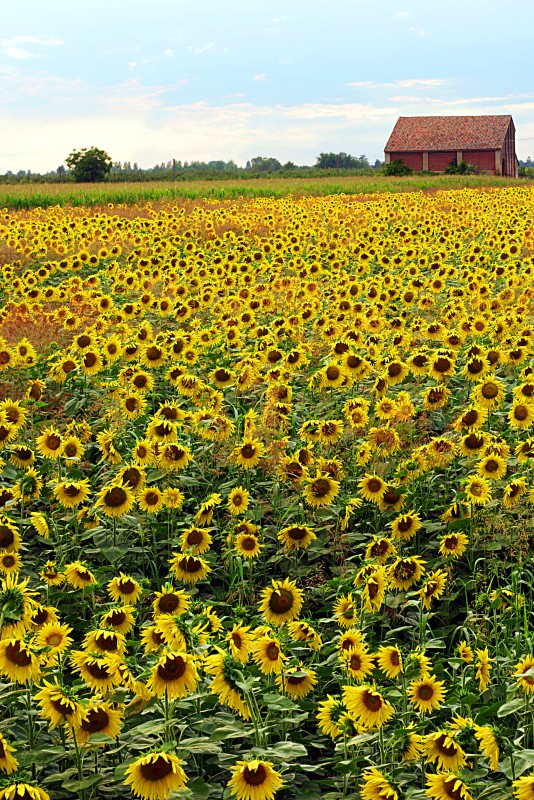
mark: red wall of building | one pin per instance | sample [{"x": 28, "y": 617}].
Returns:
[
  {"x": 412, "y": 160},
  {"x": 483, "y": 159},
  {"x": 439, "y": 161}
]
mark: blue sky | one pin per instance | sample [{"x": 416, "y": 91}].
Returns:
[{"x": 207, "y": 79}]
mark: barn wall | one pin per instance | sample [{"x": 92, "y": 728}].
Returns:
[
  {"x": 439, "y": 161},
  {"x": 412, "y": 160},
  {"x": 509, "y": 165},
  {"x": 483, "y": 159}
]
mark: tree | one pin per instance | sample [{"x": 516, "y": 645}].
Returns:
[
  {"x": 263, "y": 164},
  {"x": 341, "y": 161},
  {"x": 89, "y": 165}
]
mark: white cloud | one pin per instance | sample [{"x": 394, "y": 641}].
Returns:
[
  {"x": 18, "y": 53},
  {"x": 278, "y": 20},
  {"x": 197, "y": 51},
  {"x": 402, "y": 84},
  {"x": 169, "y": 52},
  {"x": 132, "y": 64},
  {"x": 261, "y": 76},
  {"x": 419, "y": 31},
  {"x": 402, "y": 14}
]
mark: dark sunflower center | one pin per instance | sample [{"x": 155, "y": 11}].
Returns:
[
  {"x": 373, "y": 702},
  {"x": 442, "y": 364},
  {"x": 89, "y": 360},
  {"x": 151, "y": 498},
  {"x": 255, "y": 777},
  {"x": 98, "y": 671},
  {"x": 195, "y": 537},
  {"x": 68, "y": 366},
  {"x": 470, "y": 418},
  {"x": 158, "y": 769},
  {"x": 114, "y": 498},
  {"x": 355, "y": 661},
  {"x": 475, "y": 366},
  {"x": 40, "y": 616},
  {"x": 190, "y": 564},
  {"x": 62, "y": 706},
  {"x": 394, "y": 370},
  {"x": 320, "y": 487},
  {"x": 333, "y": 373},
  {"x": 489, "y": 391},
  {"x": 153, "y": 353},
  {"x": 237, "y": 640},
  {"x": 24, "y": 454},
  {"x": 222, "y": 375},
  {"x": 95, "y": 720},
  {"x": 53, "y": 442},
  {"x": 107, "y": 643},
  {"x": 451, "y": 542},
  {"x": 521, "y": 413},
  {"x": 17, "y": 654},
  {"x": 248, "y": 451},
  {"x": 297, "y": 534},
  {"x": 132, "y": 404},
  {"x": 425, "y": 692},
  {"x": 281, "y": 601},
  {"x": 169, "y": 603},
  {"x": 491, "y": 465},
  {"x": 71, "y": 450},
  {"x": 374, "y": 485},
  {"x": 404, "y": 525},
  {"x": 452, "y": 793},
  {"x": 72, "y": 491},
  {"x": 248, "y": 543},
  {"x": 8, "y": 561},
  {"x": 116, "y": 617},
  {"x": 172, "y": 669},
  {"x": 126, "y": 586},
  {"x": 140, "y": 381},
  {"x": 272, "y": 651},
  {"x": 7, "y": 537}
]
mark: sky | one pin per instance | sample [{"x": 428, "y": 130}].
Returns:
[{"x": 152, "y": 80}]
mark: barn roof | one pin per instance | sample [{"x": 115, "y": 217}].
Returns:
[{"x": 449, "y": 133}]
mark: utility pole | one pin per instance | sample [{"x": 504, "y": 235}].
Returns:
[{"x": 174, "y": 169}]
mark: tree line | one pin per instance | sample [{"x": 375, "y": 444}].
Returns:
[{"x": 93, "y": 164}]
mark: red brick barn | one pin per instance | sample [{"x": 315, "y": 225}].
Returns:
[{"x": 432, "y": 143}]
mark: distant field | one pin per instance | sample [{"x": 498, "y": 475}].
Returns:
[{"x": 21, "y": 196}]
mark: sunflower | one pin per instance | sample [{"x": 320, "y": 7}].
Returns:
[
  {"x": 465, "y": 652},
  {"x": 436, "y": 397},
  {"x": 331, "y": 712},
  {"x": 150, "y": 500},
  {"x": 98, "y": 671},
  {"x": 447, "y": 786},
  {"x": 380, "y": 549},
  {"x": 321, "y": 490},
  {"x": 238, "y": 501},
  {"x": 433, "y": 587},
  {"x": 297, "y": 681},
  {"x": 521, "y": 415},
  {"x": 359, "y": 661},
  {"x": 204, "y": 515},
  {"x": 115, "y": 499},
  {"x": 78, "y": 575},
  {"x": 411, "y": 744},
  {"x": 513, "y": 492},
  {"x": 453, "y": 545},
  {"x": 104, "y": 642},
  {"x": 377, "y": 786},
  {"x": 471, "y": 419},
  {"x": 174, "y": 675},
  {"x": 22, "y": 456},
  {"x": 524, "y": 680},
  {"x": 196, "y": 540},
  {"x": 254, "y": 780},
  {"x": 240, "y": 642},
  {"x": 55, "y": 636},
  {"x": 174, "y": 457},
  {"x": 143, "y": 452},
  {"x": 50, "y": 444},
  {"x": 372, "y": 487},
  {"x": 8, "y": 763},
  {"x": 367, "y": 705},
  {"x": 477, "y": 490},
  {"x": 296, "y": 537},
  {"x": 442, "y": 748},
  {"x": 374, "y": 588},
  {"x": 226, "y": 671},
  {"x": 170, "y": 601},
  {"x": 71, "y": 494},
  {"x": 426, "y": 693},
  {"x": 441, "y": 365},
  {"x": 492, "y": 467},
  {"x": 389, "y": 660},
  {"x": 248, "y": 453},
  {"x": 489, "y": 393},
  {"x": 10, "y": 539},
  {"x": 99, "y": 717},
  {"x": 282, "y": 602},
  {"x": 72, "y": 448},
  {"x": 156, "y": 775},
  {"x": 247, "y": 545},
  {"x": 345, "y": 611},
  {"x": 489, "y": 747},
  {"x": 132, "y": 405},
  {"x": 24, "y": 791},
  {"x": 18, "y": 661},
  {"x": 189, "y": 569},
  {"x": 405, "y": 572},
  {"x": 120, "y": 619},
  {"x": 303, "y": 631},
  {"x": 267, "y": 654}
]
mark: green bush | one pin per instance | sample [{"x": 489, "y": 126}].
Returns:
[
  {"x": 396, "y": 168},
  {"x": 463, "y": 168}
]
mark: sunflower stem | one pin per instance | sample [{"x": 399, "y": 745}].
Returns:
[
  {"x": 79, "y": 765},
  {"x": 31, "y": 728}
]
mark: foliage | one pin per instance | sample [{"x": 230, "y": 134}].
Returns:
[
  {"x": 341, "y": 161},
  {"x": 462, "y": 168},
  {"x": 89, "y": 165},
  {"x": 397, "y": 168}
]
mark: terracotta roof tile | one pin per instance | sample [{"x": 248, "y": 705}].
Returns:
[{"x": 449, "y": 133}]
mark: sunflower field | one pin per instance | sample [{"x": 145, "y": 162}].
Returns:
[{"x": 266, "y": 498}]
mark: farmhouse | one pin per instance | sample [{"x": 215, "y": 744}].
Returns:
[{"x": 432, "y": 143}]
